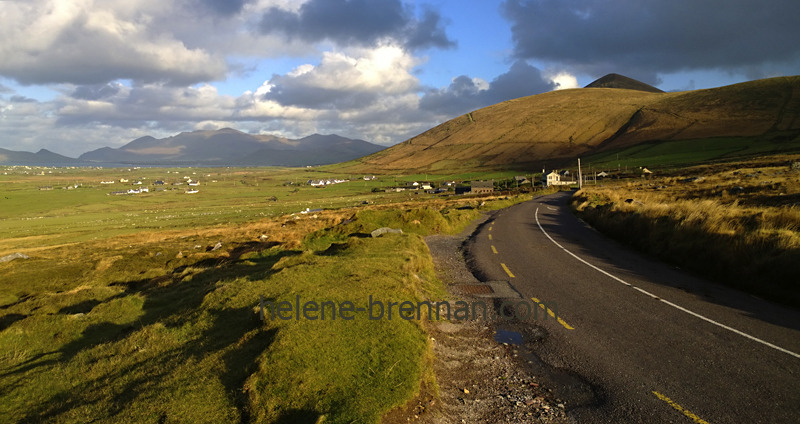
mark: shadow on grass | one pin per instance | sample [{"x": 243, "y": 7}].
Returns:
[
  {"x": 235, "y": 334},
  {"x": 298, "y": 416},
  {"x": 7, "y": 320},
  {"x": 80, "y": 308}
]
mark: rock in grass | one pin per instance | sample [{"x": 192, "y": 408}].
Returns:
[
  {"x": 11, "y": 257},
  {"x": 383, "y": 230}
]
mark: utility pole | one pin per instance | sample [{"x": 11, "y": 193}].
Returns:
[{"x": 580, "y": 176}]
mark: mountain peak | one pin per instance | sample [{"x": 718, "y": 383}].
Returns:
[{"x": 623, "y": 82}]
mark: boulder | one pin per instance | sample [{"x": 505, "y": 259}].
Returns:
[
  {"x": 383, "y": 230},
  {"x": 11, "y": 257}
]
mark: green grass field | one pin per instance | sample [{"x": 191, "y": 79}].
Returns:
[
  {"x": 688, "y": 152},
  {"x": 125, "y": 313},
  {"x": 225, "y": 196}
]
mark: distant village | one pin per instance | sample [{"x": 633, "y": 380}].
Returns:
[
  {"x": 554, "y": 178},
  {"x": 190, "y": 184}
]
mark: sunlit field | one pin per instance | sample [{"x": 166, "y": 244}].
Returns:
[{"x": 145, "y": 307}]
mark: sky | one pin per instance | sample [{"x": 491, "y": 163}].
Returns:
[{"x": 77, "y": 75}]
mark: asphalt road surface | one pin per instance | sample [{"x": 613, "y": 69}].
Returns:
[{"x": 637, "y": 340}]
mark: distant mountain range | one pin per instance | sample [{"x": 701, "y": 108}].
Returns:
[
  {"x": 42, "y": 157},
  {"x": 224, "y": 147}
]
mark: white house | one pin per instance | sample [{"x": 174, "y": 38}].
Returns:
[{"x": 554, "y": 179}]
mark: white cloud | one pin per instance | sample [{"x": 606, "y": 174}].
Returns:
[
  {"x": 97, "y": 41},
  {"x": 345, "y": 80},
  {"x": 480, "y": 84},
  {"x": 386, "y": 68},
  {"x": 563, "y": 80}
]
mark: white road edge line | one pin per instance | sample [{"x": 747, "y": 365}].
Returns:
[{"x": 681, "y": 308}]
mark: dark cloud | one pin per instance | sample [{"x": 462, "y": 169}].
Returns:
[
  {"x": 294, "y": 91},
  {"x": 641, "y": 38},
  {"x": 96, "y": 91},
  {"x": 225, "y": 7},
  {"x": 21, "y": 99},
  {"x": 428, "y": 32},
  {"x": 464, "y": 95},
  {"x": 361, "y": 22}
]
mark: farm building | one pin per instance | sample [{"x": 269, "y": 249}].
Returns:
[
  {"x": 480, "y": 187},
  {"x": 554, "y": 179}
]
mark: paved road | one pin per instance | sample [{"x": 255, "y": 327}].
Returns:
[{"x": 640, "y": 341}]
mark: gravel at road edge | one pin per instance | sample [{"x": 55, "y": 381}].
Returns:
[{"x": 479, "y": 379}]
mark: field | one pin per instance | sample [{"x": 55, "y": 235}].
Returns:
[
  {"x": 737, "y": 223},
  {"x": 679, "y": 153},
  {"x": 31, "y": 217},
  {"x": 147, "y": 307}
]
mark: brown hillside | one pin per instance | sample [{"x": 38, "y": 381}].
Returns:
[{"x": 567, "y": 123}]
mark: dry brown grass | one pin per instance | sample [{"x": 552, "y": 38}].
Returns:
[{"x": 737, "y": 224}]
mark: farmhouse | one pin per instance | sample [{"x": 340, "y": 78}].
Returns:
[
  {"x": 481, "y": 187},
  {"x": 323, "y": 183},
  {"x": 554, "y": 179}
]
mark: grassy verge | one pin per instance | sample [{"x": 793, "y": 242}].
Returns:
[
  {"x": 157, "y": 326},
  {"x": 736, "y": 224}
]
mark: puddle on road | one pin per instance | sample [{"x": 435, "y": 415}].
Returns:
[{"x": 507, "y": 336}]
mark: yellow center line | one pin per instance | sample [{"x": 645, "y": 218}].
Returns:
[
  {"x": 490, "y": 228},
  {"x": 490, "y": 236},
  {"x": 508, "y": 271},
  {"x": 552, "y": 314},
  {"x": 494, "y": 249},
  {"x": 680, "y": 409}
]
